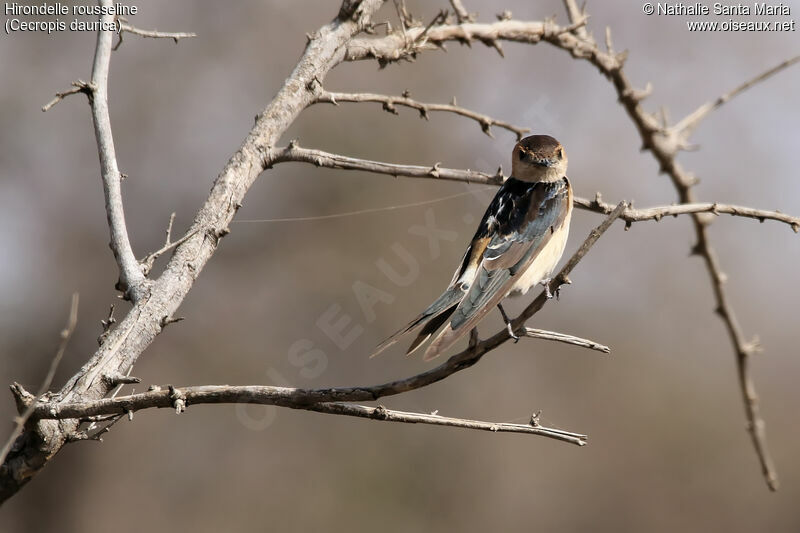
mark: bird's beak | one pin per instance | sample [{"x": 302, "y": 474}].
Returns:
[{"x": 543, "y": 162}]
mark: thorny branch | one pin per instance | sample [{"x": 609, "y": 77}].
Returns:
[
  {"x": 389, "y": 104},
  {"x": 318, "y": 399},
  {"x": 125, "y": 26},
  {"x": 26, "y": 403},
  {"x": 131, "y": 278},
  {"x": 662, "y": 141},
  {"x": 330, "y": 45},
  {"x": 295, "y": 153}
]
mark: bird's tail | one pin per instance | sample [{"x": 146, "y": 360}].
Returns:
[{"x": 432, "y": 319}]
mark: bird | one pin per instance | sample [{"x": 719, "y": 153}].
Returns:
[{"x": 517, "y": 245}]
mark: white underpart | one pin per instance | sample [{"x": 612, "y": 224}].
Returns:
[{"x": 545, "y": 262}]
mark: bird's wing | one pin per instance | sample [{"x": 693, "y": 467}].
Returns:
[
  {"x": 523, "y": 223},
  {"x": 439, "y": 311}
]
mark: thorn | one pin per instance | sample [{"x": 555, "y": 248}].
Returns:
[
  {"x": 406, "y": 93},
  {"x": 178, "y": 399},
  {"x": 628, "y": 224},
  {"x": 697, "y": 249},
  {"x": 486, "y": 127},
  {"x": 505, "y": 15},
  {"x": 389, "y": 106},
  {"x": 497, "y": 46},
  {"x": 294, "y": 143},
  {"x": 167, "y": 320},
  {"x": 535, "y": 418},
  {"x": 434, "y": 171},
  {"x": 453, "y": 101},
  {"x": 114, "y": 379}
]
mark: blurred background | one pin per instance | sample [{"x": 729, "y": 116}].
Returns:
[{"x": 668, "y": 447}]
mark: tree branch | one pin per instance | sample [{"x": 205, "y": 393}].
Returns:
[
  {"x": 281, "y": 397},
  {"x": 566, "y": 339},
  {"x": 663, "y": 142},
  {"x": 26, "y": 403},
  {"x": 124, "y": 26},
  {"x": 689, "y": 123},
  {"x": 389, "y": 102},
  {"x": 131, "y": 277},
  {"x": 312, "y": 399},
  {"x": 123, "y": 345},
  {"x": 295, "y": 153}
]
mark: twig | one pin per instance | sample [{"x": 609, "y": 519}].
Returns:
[
  {"x": 312, "y": 399},
  {"x": 577, "y": 15},
  {"x": 147, "y": 262},
  {"x": 137, "y": 330},
  {"x": 688, "y": 124},
  {"x": 296, "y": 153},
  {"x": 79, "y": 86},
  {"x": 461, "y": 12},
  {"x": 658, "y": 138},
  {"x": 124, "y": 26},
  {"x": 282, "y": 397},
  {"x": 665, "y": 148},
  {"x": 131, "y": 277},
  {"x": 389, "y": 102},
  {"x": 66, "y": 334},
  {"x": 567, "y": 339},
  {"x": 657, "y": 213}
]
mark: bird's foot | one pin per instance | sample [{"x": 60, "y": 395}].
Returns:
[
  {"x": 546, "y": 284},
  {"x": 511, "y": 333},
  {"x": 508, "y": 324}
]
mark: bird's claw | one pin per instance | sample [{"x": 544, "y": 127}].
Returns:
[
  {"x": 511, "y": 333},
  {"x": 546, "y": 284}
]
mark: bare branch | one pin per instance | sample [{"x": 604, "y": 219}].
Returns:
[
  {"x": 687, "y": 125},
  {"x": 20, "y": 393},
  {"x": 656, "y": 137},
  {"x": 282, "y": 397},
  {"x": 577, "y": 15},
  {"x": 124, "y": 26},
  {"x": 143, "y": 323},
  {"x": 461, "y": 12},
  {"x": 149, "y": 259},
  {"x": 296, "y": 153},
  {"x": 566, "y": 339},
  {"x": 389, "y": 102},
  {"x": 657, "y": 213},
  {"x": 79, "y": 86},
  {"x": 293, "y": 152},
  {"x": 131, "y": 277},
  {"x": 317, "y": 399},
  {"x": 664, "y": 147}
]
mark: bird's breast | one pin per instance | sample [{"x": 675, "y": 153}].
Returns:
[{"x": 545, "y": 262}]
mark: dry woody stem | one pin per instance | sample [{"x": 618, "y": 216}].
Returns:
[{"x": 56, "y": 418}]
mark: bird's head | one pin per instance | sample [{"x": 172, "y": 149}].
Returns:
[{"x": 538, "y": 158}]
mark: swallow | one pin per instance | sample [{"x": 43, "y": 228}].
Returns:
[{"x": 517, "y": 245}]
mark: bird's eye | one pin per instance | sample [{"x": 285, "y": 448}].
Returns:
[
  {"x": 561, "y": 153},
  {"x": 521, "y": 155}
]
